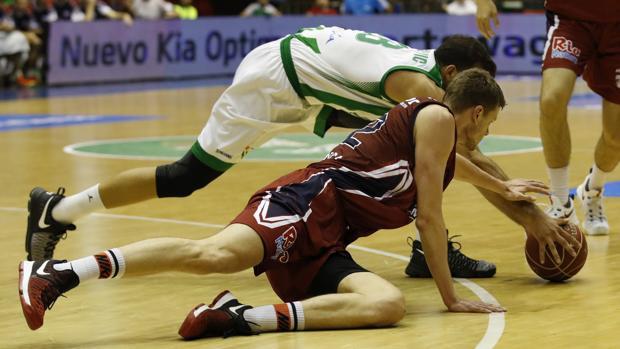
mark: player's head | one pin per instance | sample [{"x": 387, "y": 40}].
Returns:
[
  {"x": 459, "y": 52},
  {"x": 475, "y": 98}
]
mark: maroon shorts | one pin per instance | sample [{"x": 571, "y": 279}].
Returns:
[
  {"x": 588, "y": 48},
  {"x": 301, "y": 223}
]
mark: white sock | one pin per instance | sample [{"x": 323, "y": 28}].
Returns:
[
  {"x": 104, "y": 265},
  {"x": 277, "y": 317},
  {"x": 69, "y": 209},
  {"x": 597, "y": 178},
  {"x": 559, "y": 183}
]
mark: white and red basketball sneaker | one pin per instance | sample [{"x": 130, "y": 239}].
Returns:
[
  {"x": 223, "y": 317},
  {"x": 39, "y": 287}
]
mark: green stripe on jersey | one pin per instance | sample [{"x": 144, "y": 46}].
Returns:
[
  {"x": 320, "y": 123},
  {"x": 287, "y": 63},
  {"x": 349, "y": 104},
  {"x": 310, "y": 42},
  {"x": 209, "y": 159}
]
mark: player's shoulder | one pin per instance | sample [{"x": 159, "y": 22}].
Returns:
[{"x": 433, "y": 115}]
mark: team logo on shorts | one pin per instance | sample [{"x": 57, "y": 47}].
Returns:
[
  {"x": 563, "y": 48},
  {"x": 618, "y": 78},
  {"x": 283, "y": 243}
]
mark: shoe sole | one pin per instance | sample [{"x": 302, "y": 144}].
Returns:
[
  {"x": 29, "y": 230},
  {"x": 25, "y": 271},
  {"x": 191, "y": 328},
  {"x": 593, "y": 232}
]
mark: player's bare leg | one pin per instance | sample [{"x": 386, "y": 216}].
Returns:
[
  {"x": 129, "y": 187},
  {"x": 363, "y": 300},
  {"x": 236, "y": 248},
  {"x": 556, "y": 90},
  {"x": 606, "y": 157}
]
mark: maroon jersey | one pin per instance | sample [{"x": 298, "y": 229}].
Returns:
[
  {"x": 365, "y": 184},
  {"x": 602, "y": 11},
  {"x": 373, "y": 170}
]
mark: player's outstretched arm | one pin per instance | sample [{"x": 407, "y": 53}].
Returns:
[
  {"x": 527, "y": 214},
  {"x": 511, "y": 190},
  {"x": 434, "y": 135}
]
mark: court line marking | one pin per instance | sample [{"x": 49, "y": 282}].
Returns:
[
  {"x": 495, "y": 326},
  {"x": 71, "y": 149}
]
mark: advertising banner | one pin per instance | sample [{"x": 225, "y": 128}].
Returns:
[{"x": 214, "y": 46}]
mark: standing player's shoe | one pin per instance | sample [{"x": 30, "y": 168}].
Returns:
[
  {"x": 558, "y": 209},
  {"x": 223, "y": 317},
  {"x": 595, "y": 221},
  {"x": 43, "y": 232},
  {"x": 460, "y": 265},
  {"x": 39, "y": 287}
]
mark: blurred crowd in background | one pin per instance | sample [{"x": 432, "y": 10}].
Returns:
[{"x": 24, "y": 23}]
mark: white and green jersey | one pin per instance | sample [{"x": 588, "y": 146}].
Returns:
[{"x": 346, "y": 69}]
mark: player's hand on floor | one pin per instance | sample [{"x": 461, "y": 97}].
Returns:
[
  {"x": 467, "y": 306},
  {"x": 517, "y": 189}
]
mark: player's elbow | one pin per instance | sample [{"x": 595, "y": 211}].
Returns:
[{"x": 426, "y": 222}]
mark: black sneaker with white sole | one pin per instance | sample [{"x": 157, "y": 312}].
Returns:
[
  {"x": 43, "y": 232},
  {"x": 460, "y": 265}
]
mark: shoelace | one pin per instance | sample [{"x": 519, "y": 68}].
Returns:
[
  {"x": 595, "y": 210},
  {"x": 456, "y": 257},
  {"x": 410, "y": 241},
  {"x": 51, "y": 244}
]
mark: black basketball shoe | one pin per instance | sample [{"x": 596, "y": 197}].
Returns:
[
  {"x": 460, "y": 265},
  {"x": 43, "y": 232},
  {"x": 39, "y": 287}
]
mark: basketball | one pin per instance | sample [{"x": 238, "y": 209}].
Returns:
[{"x": 569, "y": 265}]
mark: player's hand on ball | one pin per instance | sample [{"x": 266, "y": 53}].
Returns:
[
  {"x": 548, "y": 231},
  {"x": 517, "y": 189},
  {"x": 467, "y": 306}
]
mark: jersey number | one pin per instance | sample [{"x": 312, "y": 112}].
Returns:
[
  {"x": 372, "y": 127},
  {"x": 377, "y": 39}
]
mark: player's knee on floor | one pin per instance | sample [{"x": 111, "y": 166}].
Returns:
[
  {"x": 387, "y": 309},
  {"x": 183, "y": 177}
]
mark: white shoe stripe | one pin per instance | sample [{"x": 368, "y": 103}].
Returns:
[
  {"x": 26, "y": 272},
  {"x": 200, "y": 310}
]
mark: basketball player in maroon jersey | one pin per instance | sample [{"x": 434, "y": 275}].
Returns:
[
  {"x": 297, "y": 228},
  {"x": 583, "y": 38}
]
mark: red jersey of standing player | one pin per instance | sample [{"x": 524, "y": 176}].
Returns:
[
  {"x": 602, "y": 11},
  {"x": 366, "y": 183}
]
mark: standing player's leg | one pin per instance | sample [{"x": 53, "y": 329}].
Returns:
[
  {"x": 237, "y": 247},
  {"x": 602, "y": 74},
  {"x": 569, "y": 46},
  {"x": 556, "y": 90},
  {"x": 606, "y": 158}
]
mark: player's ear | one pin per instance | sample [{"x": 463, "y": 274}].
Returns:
[
  {"x": 449, "y": 71},
  {"x": 478, "y": 113}
]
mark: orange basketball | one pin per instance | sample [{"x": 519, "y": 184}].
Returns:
[{"x": 550, "y": 270}]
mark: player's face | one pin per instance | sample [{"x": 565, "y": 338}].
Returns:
[{"x": 481, "y": 122}]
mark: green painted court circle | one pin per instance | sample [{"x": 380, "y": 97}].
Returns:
[{"x": 284, "y": 147}]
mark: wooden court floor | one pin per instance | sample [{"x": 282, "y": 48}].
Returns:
[{"x": 146, "y": 312}]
